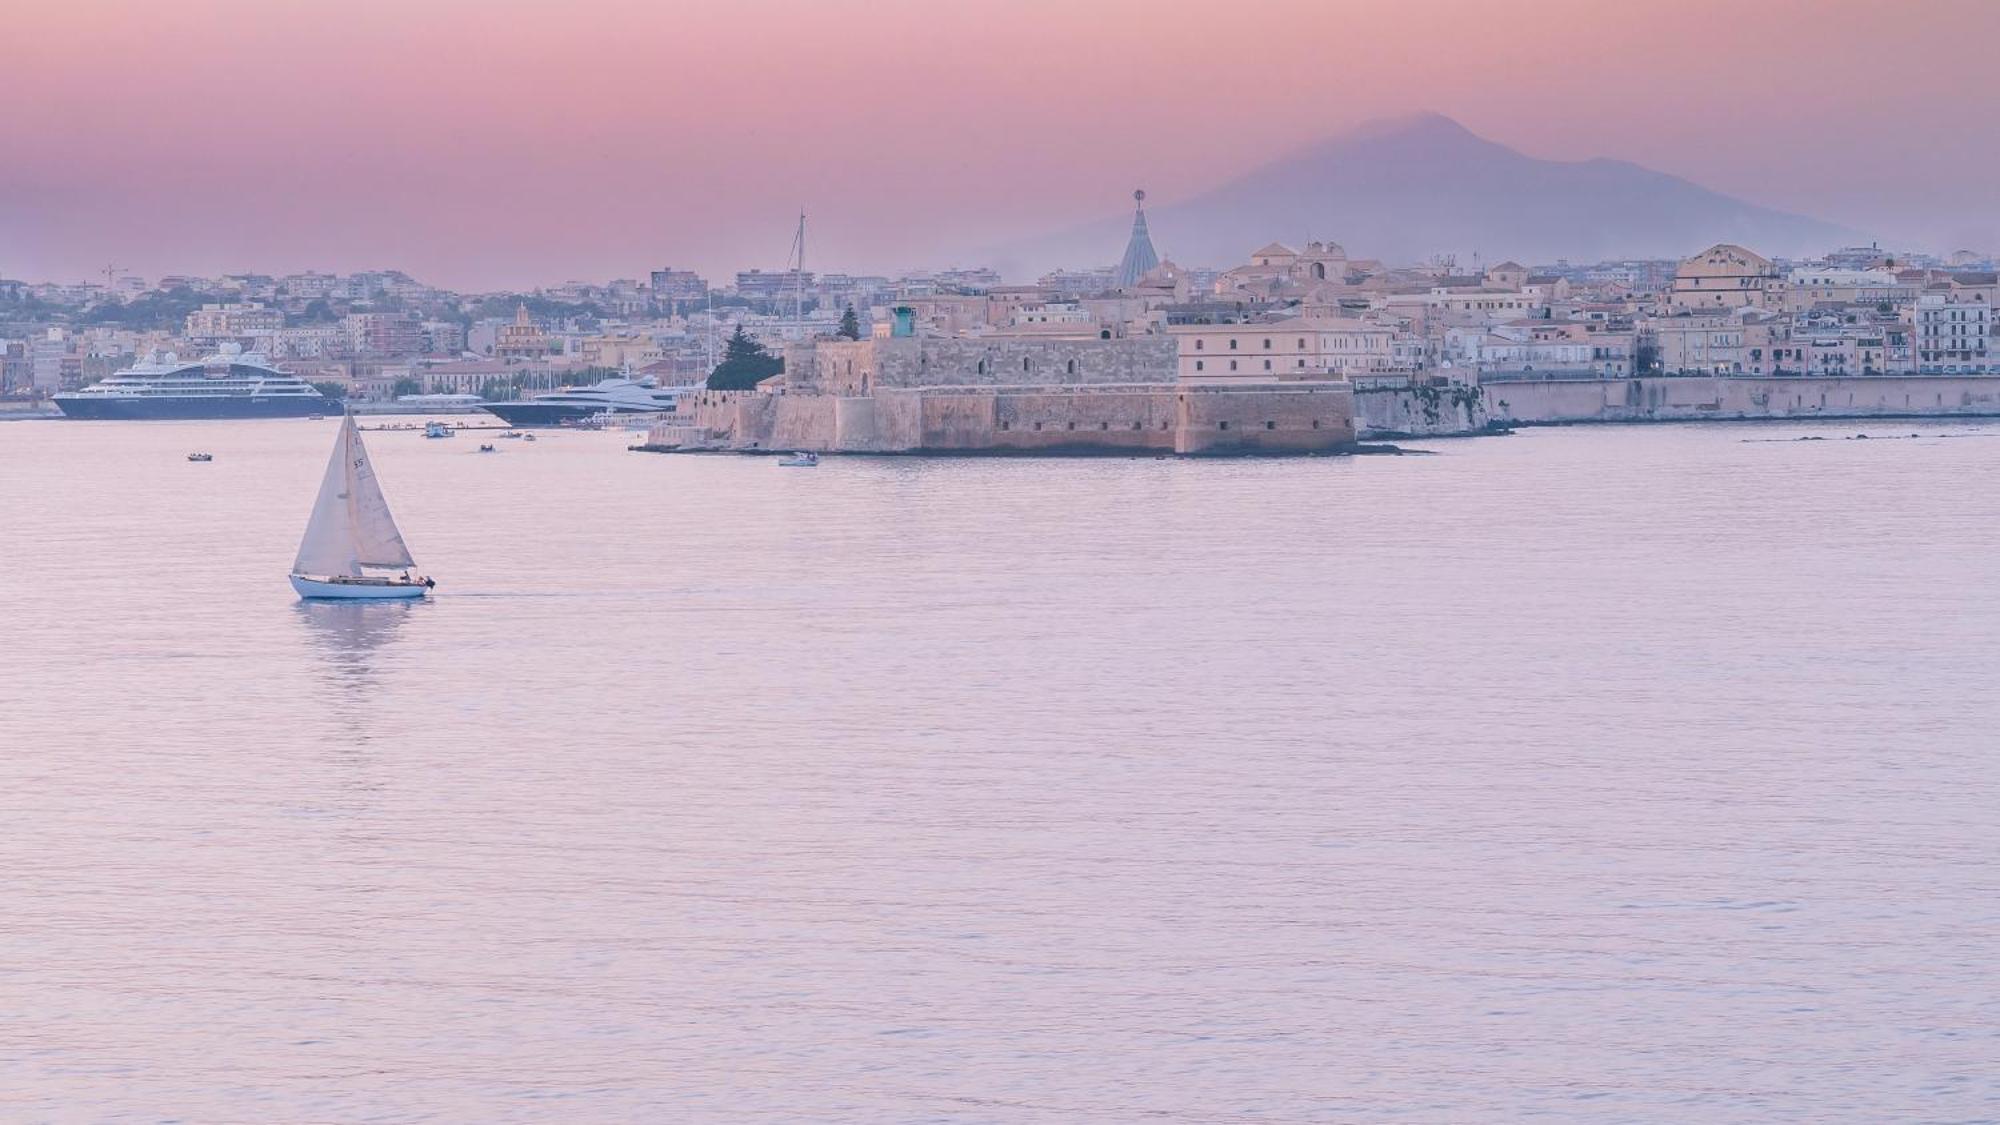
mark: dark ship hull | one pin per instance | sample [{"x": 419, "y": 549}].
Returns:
[{"x": 193, "y": 408}]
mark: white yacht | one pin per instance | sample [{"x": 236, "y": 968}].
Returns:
[
  {"x": 232, "y": 383},
  {"x": 572, "y": 405}
]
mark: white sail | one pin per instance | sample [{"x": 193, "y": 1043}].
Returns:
[
  {"x": 328, "y": 546},
  {"x": 350, "y": 526},
  {"x": 376, "y": 540}
]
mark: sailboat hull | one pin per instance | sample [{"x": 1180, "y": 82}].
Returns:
[{"x": 371, "y": 589}]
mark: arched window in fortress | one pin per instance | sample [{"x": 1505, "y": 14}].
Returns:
[
  {"x": 981, "y": 368},
  {"x": 1024, "y": 363},
  {"x": 1072, "y": 367}
]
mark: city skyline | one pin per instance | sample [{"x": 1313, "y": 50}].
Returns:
[{"x": 488, "y": 153}]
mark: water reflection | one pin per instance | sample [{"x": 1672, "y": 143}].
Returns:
[
  {"x": 346, "y": 638},
  {"x": 345, "y": 642}
]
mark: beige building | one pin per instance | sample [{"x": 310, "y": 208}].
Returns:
[
  {"x": 232, "y": 321},
  {"x": 1724, "y": 276},
  {"x": 1805, "y": 288},
  {"x": 1298, "y": 348},
  {"x": 523, "y": 339},
  {"x": 1276, "y": 269},
  {"x": 1726, "y": 343}
]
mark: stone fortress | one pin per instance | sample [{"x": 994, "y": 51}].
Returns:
[{"x": 1071, "y": 388}]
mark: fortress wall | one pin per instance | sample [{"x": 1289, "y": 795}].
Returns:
[
  {"x": 1002, "y": 361},
  {"x": 1136, "y": 418},
  {"x": 1275, "y": 418}
]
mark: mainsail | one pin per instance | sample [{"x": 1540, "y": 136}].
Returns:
[{"x": 350, "y": 526}]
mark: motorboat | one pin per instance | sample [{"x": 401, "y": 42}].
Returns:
[
  {"x": 487, "y": 447},
  {"x": 201, "y": 457},
  {"x": 581, "y": 406},
  {"x": 799, "y": 460},
  {"x": 437, "y": 429}
]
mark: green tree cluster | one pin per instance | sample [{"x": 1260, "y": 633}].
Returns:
[{"x": 745, "y": 363}]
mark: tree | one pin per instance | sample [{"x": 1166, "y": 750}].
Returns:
[
  {"x": 407, "y": 386},
  {"x": 335, "y": 391},
  {"x": 317, "y": 311},
  {"x": 497, "y": 390},
  {"x": 850, "y": 325},
  {"x": 744, "y": 364}
]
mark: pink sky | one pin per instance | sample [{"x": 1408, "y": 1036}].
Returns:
[{"x": 496, "y": 142}]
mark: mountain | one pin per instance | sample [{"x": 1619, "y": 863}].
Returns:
[{"x": 1403, "y": 190}]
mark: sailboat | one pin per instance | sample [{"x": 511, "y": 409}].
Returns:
[{"x": 351, "y": 533}]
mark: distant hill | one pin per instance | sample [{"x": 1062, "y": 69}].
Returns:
[{"x": 1403, "y": 190}]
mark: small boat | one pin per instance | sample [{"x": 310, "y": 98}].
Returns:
[
  {"x": 315, "y": 417},
  {"x": 799, "y": 460},
  {"x": 437, "y": 429},
  {"x": 351, "y": 533},
  {"x": 512, "y": 434},
  {"x": 201, "y": 456},
  {"x": 487, "y": 447},
  {"x": 527, "y": 437}
]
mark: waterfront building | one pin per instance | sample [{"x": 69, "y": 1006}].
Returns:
[
  {"x": 1952, "y": 333},
  {"x": 1546, "y": 348},
  {"x": 1739, "y": 341},
  {"x": 1293, "y": 348}
]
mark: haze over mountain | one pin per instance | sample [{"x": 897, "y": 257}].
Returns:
[{"x": 1408, "y": 188}]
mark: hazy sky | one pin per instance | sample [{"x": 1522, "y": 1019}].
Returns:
[{"x": 502, "y": 142}]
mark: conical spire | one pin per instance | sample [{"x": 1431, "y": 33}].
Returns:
[{"x": 1139, "y": 257}]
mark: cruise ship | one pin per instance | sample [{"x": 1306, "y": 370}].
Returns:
[
  {"x": 229, "y": 384},
  {"x": 578, "y": 404}
]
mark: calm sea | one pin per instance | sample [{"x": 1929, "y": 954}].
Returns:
[{"x": 1607, "y": 774}]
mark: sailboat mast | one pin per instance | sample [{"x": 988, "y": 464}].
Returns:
[{"x": 799, "y": 277}]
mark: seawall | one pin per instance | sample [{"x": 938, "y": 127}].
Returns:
[{"x": 1670, "y": 398}]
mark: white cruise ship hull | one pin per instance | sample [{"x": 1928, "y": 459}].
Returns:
[{"x": 373, "y": 589}]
